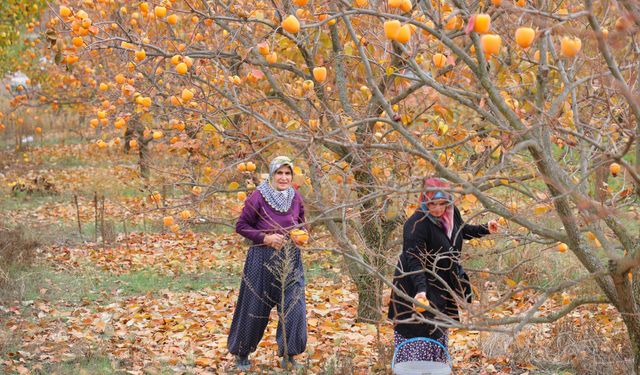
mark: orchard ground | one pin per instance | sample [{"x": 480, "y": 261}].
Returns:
[{"x": 148, "y": 300}]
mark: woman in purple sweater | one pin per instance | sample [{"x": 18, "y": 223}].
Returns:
[{"x": 268, "y": 215}]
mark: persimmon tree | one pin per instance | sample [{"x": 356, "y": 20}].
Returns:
[
  {"x": 50, "y": 90},
  {"x": 18, "y": 19},
  {"x": 529, "y": 108}
]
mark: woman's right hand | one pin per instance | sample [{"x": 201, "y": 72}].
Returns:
[
  {"x": 274, "y": 240},
  {"x": 422, "y": 298}
]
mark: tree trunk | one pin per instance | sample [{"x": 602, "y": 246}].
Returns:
[
  {"x": 633, "y": 328},
  {"x": 369, "y": 298},
  {"x": 626, "y": 304},
  {"x": 599, "y": 184},
  {"x": 143, "y": 160},
  {"x": 368, "y": 286},
  {"x": 634, "y": 334},
  {"x": 635, "y": 285},
  {"x": 635, "y": 346}
]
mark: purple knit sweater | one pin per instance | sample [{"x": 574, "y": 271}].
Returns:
[{"x": 259, "y": 219}]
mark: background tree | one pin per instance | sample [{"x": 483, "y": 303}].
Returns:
[{"x": 18, "y": 20}]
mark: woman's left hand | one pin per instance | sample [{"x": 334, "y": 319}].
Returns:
[{"x": 493, "y": 226}]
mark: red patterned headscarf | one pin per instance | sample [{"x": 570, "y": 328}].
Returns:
[{"x": 436, "y": 188}]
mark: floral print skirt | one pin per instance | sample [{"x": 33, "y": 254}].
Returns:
[{"x": 421, "y": 350}]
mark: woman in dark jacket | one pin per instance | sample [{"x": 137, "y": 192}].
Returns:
[{"x": 429, "y": 269}]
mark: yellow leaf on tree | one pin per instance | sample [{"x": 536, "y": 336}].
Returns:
[
  {"x": 293, "y": 124},
  {"x": 146, "y": 118},
  {"x": 390, "y": 70}
]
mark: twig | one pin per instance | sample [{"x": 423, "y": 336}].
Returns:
[
  {"x": 95, "y": 210},
  {"x": 102, "y": 232},
  {"x": 75, "y": 200},
  {"x": 126, "y": 233}
]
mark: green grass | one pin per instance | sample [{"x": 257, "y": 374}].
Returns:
[
  {"x": 88, "y": 364},
  {"x": 128, "y": 192},
  {"x": 93, "y": 363},
  {"x": 145, "y": 281},
  {"x": 212, "y": 228},
  {"x": 67, "y": 139},
  {"x": 88, "y": 360},
  {"x": 42, "y": 282},
  {"x": 8, "y": 141},
  {"x": 9, "y": 343},
  {"x": 87, "y": 284},
  {"x": 476, "y": 262},
  {"x": 315, "y": 270},
  {"x": 67, "y": 231},
  {"x": 47, "y": 234},
  {"x": 65, "y": 162},
  {"x": 119, "y": 227},
  {"x": 22, "y": 200}
]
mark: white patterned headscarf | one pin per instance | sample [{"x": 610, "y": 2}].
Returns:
[{"x": 279, "y": 200}]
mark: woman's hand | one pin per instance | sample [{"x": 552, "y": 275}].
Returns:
[
  {"x": 493, "y": 226},
  {"x": 422, "y": 298},
  {"x": 274, "y": 240}
]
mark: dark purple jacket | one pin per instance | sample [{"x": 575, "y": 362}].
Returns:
[{"x": 259, "y": 219}]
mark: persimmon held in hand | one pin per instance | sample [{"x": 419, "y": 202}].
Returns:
[
  {"x": 299, "y": 236},
  {"x": 423, "y": 301}
]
